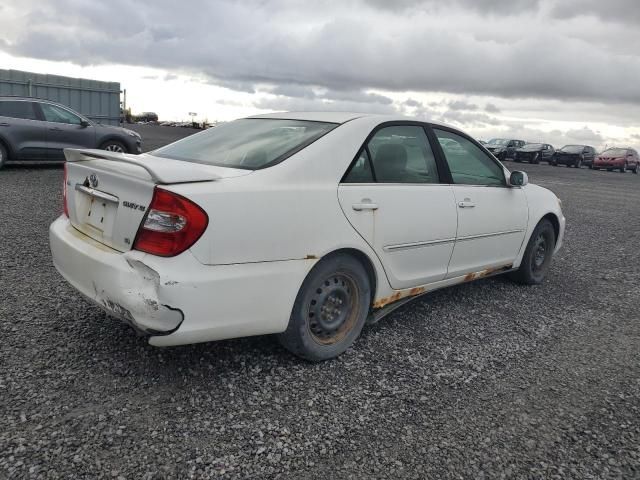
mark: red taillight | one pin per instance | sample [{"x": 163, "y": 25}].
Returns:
[
  {"x": 172, "y": 224},
  {"x": 65, "y": 207}
]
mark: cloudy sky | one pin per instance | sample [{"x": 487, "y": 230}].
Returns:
[{"x": 562, "y": 71}]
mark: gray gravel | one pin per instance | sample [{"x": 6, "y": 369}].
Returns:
[{"x": 484, "y": 380}]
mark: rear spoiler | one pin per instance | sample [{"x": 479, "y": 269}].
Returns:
[{"x": 162, "y": 170}]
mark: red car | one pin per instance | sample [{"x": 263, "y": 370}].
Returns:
[{"x": 621, "y": 158}]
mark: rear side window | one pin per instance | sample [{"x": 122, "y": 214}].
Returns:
[
  {"x": 468, "y": 164},
  {"x": 250, "y": 143},
  {"x": 402, "y": 154},
  {"x": 360, "y": 171},
  {"x": 16, "y": 109},
  {"x": 59, "y": 115}
]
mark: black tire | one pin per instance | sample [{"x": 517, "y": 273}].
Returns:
[
  {"x": 636, "y": 168},
  {"x": 114, "y": 146},
  {"x": 314, "y": 333},
  {"x": 578, "y": 163},
  {"x": 537, "y": 256},
  {"x": 553, "y": 164},
  {"x": 4, "y": 156},
  {"x": 624, "y": 168}
]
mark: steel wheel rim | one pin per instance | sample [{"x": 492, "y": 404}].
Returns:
[
  {"x": 114, "y": 148},
  {"x": 333, "y": 309},
  {"x": 539, "y": 252}
]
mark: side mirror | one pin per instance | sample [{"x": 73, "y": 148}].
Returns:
[
  {"x": 518, "y": 179},
  {"x": 84, "y": 123}
]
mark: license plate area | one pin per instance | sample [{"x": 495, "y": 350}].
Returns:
[{"x": 97, "y": 211}]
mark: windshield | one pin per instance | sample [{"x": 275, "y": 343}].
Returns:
[
  {"x": 533, "y": 145},
  {"x": 614, "y": 152},
  {"x": 498, "y": 141},
  {"x": 572, "y": 148},
  {"x": 250, "y": 143}
]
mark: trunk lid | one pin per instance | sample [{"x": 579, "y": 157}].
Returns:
[{"x": 108, "y": 193}]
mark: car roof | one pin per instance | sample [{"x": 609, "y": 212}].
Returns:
[{"x": 343, "y": 117}]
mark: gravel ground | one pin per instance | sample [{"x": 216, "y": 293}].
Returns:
[{"x": 483, "y": 380}]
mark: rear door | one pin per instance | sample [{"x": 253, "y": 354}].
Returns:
[
  {"x": 492, "y": 217},
  {"x": 22, "y": 130},
  {"x": 65, "y": 130},
  {"x": 393, "y": 195}
]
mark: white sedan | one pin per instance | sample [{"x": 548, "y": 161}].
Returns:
[{"x": 304, "y": 225}]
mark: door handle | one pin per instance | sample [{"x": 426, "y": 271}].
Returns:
[
  {"x": 366, "y": 204},
  {"x": 466, "y": 204},
  {"x": 55, "y": 129},
  {"x": 4, "y": 124}
]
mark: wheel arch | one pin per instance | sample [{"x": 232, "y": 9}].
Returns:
[
  {"x": 7, "y": 146},
  {"x": 366, "y": 262},
  {"x": 553, "y": 219},
  {"x": 113, "y": 138}
]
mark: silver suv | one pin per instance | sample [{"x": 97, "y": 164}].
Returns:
[{"x": 38, "y": 130}]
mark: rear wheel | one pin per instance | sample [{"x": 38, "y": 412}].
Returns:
[
  {"x": 330, "y": 309},
  {"x": 113, "y": 146},
  {"x": 636, "y": 168},
  {"x": 537, "y": 256},
  {"x": 3, "y": 155}
]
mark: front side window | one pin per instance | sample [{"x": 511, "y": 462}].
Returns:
[
  {"x": 17, "y": 109},
  {"x": 402, "y": 154},
  {"x": 59, "y": 115},
  {"x": 250, "y": 143},
  {"x": 469, "y": 165}
]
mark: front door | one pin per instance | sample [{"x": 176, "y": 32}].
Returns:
[
  {"x": 65, "y": 130},
  {"x": 393, "y": 197},
  {"x": 492, "y": 217}
]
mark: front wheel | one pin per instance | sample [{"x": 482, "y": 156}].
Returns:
[
  {"x": 537, "y": 256},
  {"x": 3, "y": 155},
  {"x": 636, "y": 168},
  {"x": 113, "y": 146},
  {"x": 330, "y": 310}
]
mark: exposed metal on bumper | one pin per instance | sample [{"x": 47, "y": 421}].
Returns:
[{"x": 124, "y": 287}]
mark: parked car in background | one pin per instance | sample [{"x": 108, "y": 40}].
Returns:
[
  {"x": 38, "y": 130},
  {"x": 622, "y": 159},
  {"x": 174, "y": 242},
  {"x": 534, "y": 153},
  {"x": 504, "y": 148},
  {"x": 146, "y": 117},
  {"x": 574, "y": 156}
]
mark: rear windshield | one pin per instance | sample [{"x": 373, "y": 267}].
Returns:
[{"x": 250, "y": 143}]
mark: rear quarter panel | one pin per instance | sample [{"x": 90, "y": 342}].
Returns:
[{"x": 286, "y": 212}]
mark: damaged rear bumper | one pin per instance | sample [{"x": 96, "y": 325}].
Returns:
[{"x": 120, "y": 283}]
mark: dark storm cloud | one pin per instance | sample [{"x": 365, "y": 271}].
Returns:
[
  {"x": 491, "y": 108},
  {"x": 462, "y": 105},
  {"x": 625, "y": 11},
  {"x": 501, "y": 7},
  {"x": 469, "y": 47}
]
